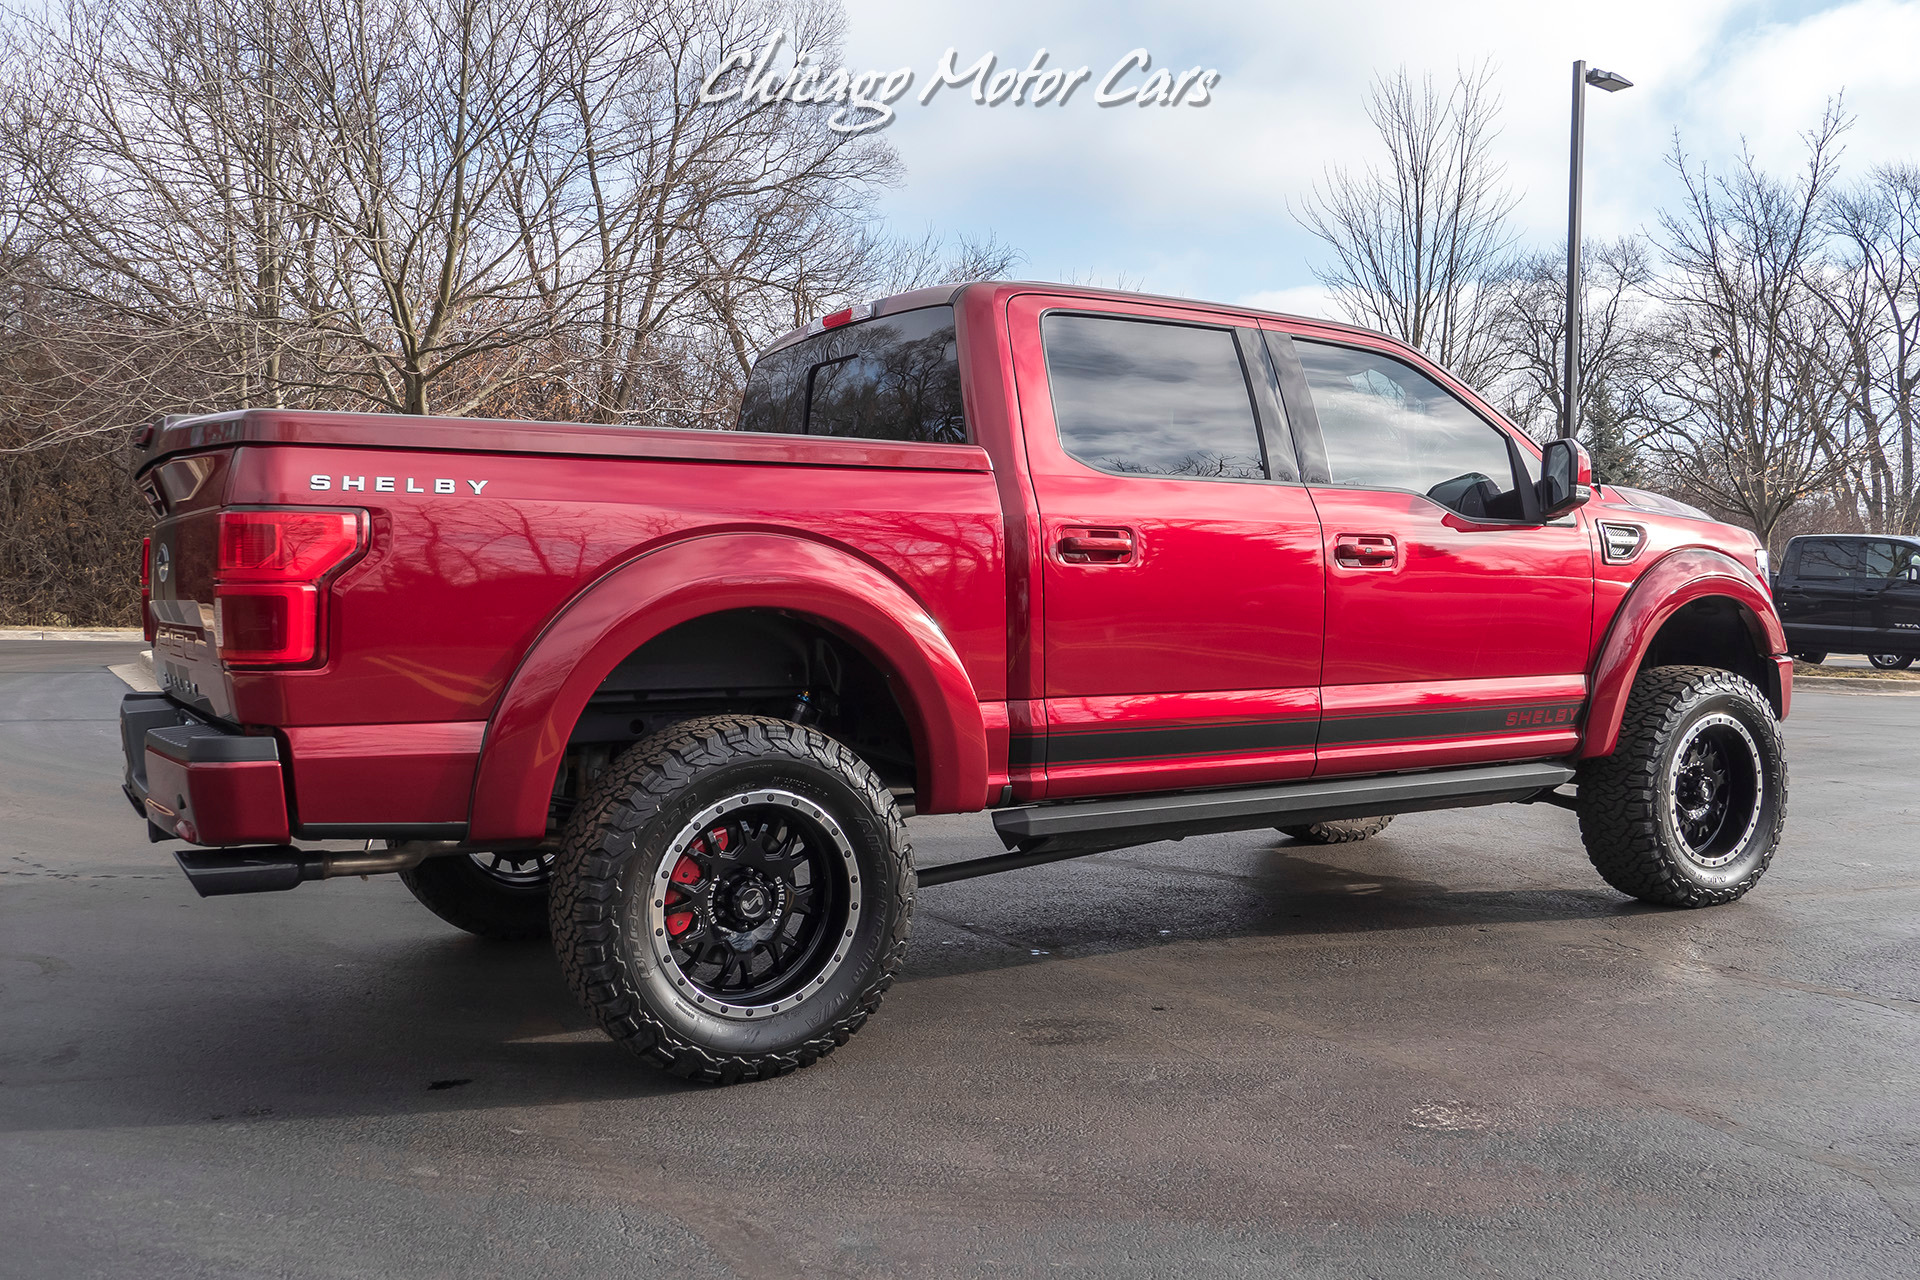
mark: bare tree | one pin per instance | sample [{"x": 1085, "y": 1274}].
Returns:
[
  {"x": 1872, "y": 289},
  {"x": 425, "y": 205},
  {"x": 1529, "y": 323},
  {"x": 1745, "y": 410},
  {"x": 1417, "y": 242}
]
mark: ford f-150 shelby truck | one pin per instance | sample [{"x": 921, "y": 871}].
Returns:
[{"x": 1118, "y": 568}]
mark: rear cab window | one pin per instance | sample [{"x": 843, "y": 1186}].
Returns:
[{"x": 896, "y": 377}]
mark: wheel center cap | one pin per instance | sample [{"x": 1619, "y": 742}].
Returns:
[{"x": 751, "y": 903}]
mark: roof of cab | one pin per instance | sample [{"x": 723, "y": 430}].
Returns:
[{"x": 949, "y": 294}]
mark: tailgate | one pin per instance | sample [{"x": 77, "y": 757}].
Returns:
[{"x": 185, "y": 551}]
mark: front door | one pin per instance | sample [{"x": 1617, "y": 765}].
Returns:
[
  {"x": 1890, "y": 598},
  {"x": 1180, "y": 565},
  {"x": 1458, "y": 626}
]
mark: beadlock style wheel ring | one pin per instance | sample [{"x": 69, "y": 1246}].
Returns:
[
  {"x": 753, "y": 905},
  {"x": 1715, "y": 773}
]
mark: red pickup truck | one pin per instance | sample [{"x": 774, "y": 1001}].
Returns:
[{"x": 1118, "y": 568}]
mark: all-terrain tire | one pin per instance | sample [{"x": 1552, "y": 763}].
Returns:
[
  {"x": 465, "y": 895},
  {"x": 1638, "y": 805},
  {"x": 1342, "y": 831},
  {"x": 635, "y": 829}
]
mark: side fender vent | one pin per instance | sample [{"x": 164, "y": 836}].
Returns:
[{"x": 1620, "y": 543}]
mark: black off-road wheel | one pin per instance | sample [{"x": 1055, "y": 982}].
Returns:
[
  {"x": 1891, "y": 661},
  {"x": 1343, "y": 831},
  {"x": 1688, "y": 810},
  {"x": 733, "y": 898},
  {"x": 502, "y": 896}
]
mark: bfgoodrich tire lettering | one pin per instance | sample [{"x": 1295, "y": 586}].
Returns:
[
  {"x": 1688, "y": 810},
  {"x": 644, "y": 887}
]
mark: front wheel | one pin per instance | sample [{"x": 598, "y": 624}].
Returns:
[
  {"x": 733, "y": 899},
  {"x": 1811, "y": 659},
  {"x": 1890, "y": 661},
  {"x": 1687, "y": 811}
]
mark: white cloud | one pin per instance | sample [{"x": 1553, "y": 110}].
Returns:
[
  {"x": 1196, "y": 201},
  {"x": 1310, "y": 300}
]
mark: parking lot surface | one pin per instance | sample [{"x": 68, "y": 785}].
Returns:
[{"x": 1449, "y": 1051}]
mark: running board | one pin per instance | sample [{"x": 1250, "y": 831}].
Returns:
[{"x": 1049, "y": 832}]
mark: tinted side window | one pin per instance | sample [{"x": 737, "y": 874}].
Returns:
[
  {"x": 895, "y": 378},
  {"x": 1821, "y": 559},
  {"x": 1885, "y": 561},
  {"x": 1143, "y": 398},
  {"x": 1388, "y": 426}
]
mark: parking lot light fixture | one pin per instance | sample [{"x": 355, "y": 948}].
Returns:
[{"x": 1612, "y": 82}]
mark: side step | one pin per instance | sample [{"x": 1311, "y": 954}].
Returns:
[{"x": 1049, "y": 832}]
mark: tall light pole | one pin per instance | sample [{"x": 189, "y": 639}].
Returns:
[{"x": 1570, "y": 388}]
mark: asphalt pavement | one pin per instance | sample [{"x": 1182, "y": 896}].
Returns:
[{"x": 1449, "y": 1051}]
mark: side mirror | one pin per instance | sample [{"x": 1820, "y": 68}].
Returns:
[{"x": 1566, "y": 478}]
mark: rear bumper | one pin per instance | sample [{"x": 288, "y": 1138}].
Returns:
[{"x": 199, "y": 782}]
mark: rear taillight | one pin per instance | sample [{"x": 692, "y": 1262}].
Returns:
[
  {"x": 267, "y": 590},
  {"x": 146, "y": 588}
]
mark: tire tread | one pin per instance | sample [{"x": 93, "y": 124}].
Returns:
[{"x": 585, "y": 884}]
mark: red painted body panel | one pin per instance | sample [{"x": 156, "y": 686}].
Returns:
[
  {"x": 374, "y": 773},
  {"x": 1664, "y": 586},
  {"x": 243, "y": 802},
  {"x": 1429, "y": 724},
  {"x": 1463, "y": 601},
  {"x": 1171, "y": 741},
  {"x": 713, "y": 574},
  {"x": 511, "y": 566}
]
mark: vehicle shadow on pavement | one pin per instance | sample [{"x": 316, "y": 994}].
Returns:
[
  {"x": 406, "y": 1027},
  {"x": 1136, "y": 900},
  {"x": 407, "y": 1019}
]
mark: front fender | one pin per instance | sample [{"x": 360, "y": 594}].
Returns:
[
  {"x": 1676, "y": 580},
  {"x": 712, "y": 574}
]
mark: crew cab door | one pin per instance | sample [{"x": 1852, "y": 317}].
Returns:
[
  {"x": 1819, "y": 595},
  {"x": 1890, "y": 597},
  {"x": 1458, "y": 625},
  {"x": 1179, "y": 564}
]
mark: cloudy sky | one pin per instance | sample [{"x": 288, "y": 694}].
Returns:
[{"x": 1195, "y": 201}]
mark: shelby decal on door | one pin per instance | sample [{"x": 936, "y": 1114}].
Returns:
[
  {"x": 385, "y": 484},
  {"x": 1562, "y": 714}
]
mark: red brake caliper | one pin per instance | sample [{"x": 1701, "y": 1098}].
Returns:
[{"x": 686, "y": 871}]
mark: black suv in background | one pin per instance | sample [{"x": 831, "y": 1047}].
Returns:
[{"x": 1851, "y": 593}]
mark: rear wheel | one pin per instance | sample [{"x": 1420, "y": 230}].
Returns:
[
  {"x": 1811, "y": 659},
  {"x": 1891, "y": 661},
  {"x": 733, "y": 898},
  {"x": 1343, "y": 831},
  {"x": 1687, "y": 811},
  {"x": 494, "y": 895}
]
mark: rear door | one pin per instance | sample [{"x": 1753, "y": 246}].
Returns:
[
  {"x": 1890, "y": 597},
  {"x": 1458, "y": 626},
  {"x": 1819, "y": 597},
  {"x": 1181, "y": 580}
]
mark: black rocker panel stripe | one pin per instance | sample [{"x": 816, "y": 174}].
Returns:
[
  {"x": 1465, "y": 722},
  {"x": 1248, "y": 736},
  {"x": 1236, "y": 737}
]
